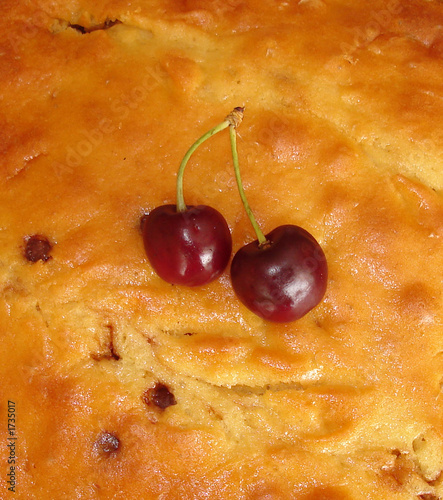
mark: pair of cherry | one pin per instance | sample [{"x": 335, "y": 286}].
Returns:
[{"x": 280, "y": 276}]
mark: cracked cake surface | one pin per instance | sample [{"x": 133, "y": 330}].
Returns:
[{"x": 127, "y": 387}]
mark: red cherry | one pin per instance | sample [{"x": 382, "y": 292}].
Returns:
[
  {"x": 189, "y": 248},
  {"x": 189, "y": 245},
  {"x": 282, "y": 279},
  {"x": 281, "y": 276}
]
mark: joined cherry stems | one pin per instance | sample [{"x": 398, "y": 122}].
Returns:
[{"x": 232, "y": 120}]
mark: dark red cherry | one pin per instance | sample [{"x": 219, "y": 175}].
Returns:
[
  {"x": 282, "y": 279},
  {"x": 190, "y": 247}
]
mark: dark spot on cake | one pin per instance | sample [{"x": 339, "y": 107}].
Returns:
[
  {"x": 428, "y": 496},
  {"x": 159, "y": 396},
  {"x": 109, "y": 23},
  {"x": 37, "y": 248},
  {"x": 215, "y": 414},
  {"x": 110, "y": 352},
  {"x": 107, "y": 444},
  {"x": 113, "y": 354}
]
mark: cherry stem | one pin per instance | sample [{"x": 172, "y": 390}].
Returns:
[
  {"x": 234, "y": 118},
  {"x": 260, "y": 236}
]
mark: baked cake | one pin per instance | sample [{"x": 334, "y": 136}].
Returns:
[{"x": 118, "y": 385}]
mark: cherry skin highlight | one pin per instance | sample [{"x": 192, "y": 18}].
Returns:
[
  {"x": 190, "y": 247},
  {"x": 282, "y": 279}
]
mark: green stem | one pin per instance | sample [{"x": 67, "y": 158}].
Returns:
[
  {"x": 233, "y": 136},
  {"x": 181, "y": 205}
]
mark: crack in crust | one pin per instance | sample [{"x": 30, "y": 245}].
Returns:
[{"x": 108, "y": 23}]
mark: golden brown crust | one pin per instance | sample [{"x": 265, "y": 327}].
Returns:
[{"x": 127, "y": 387}]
